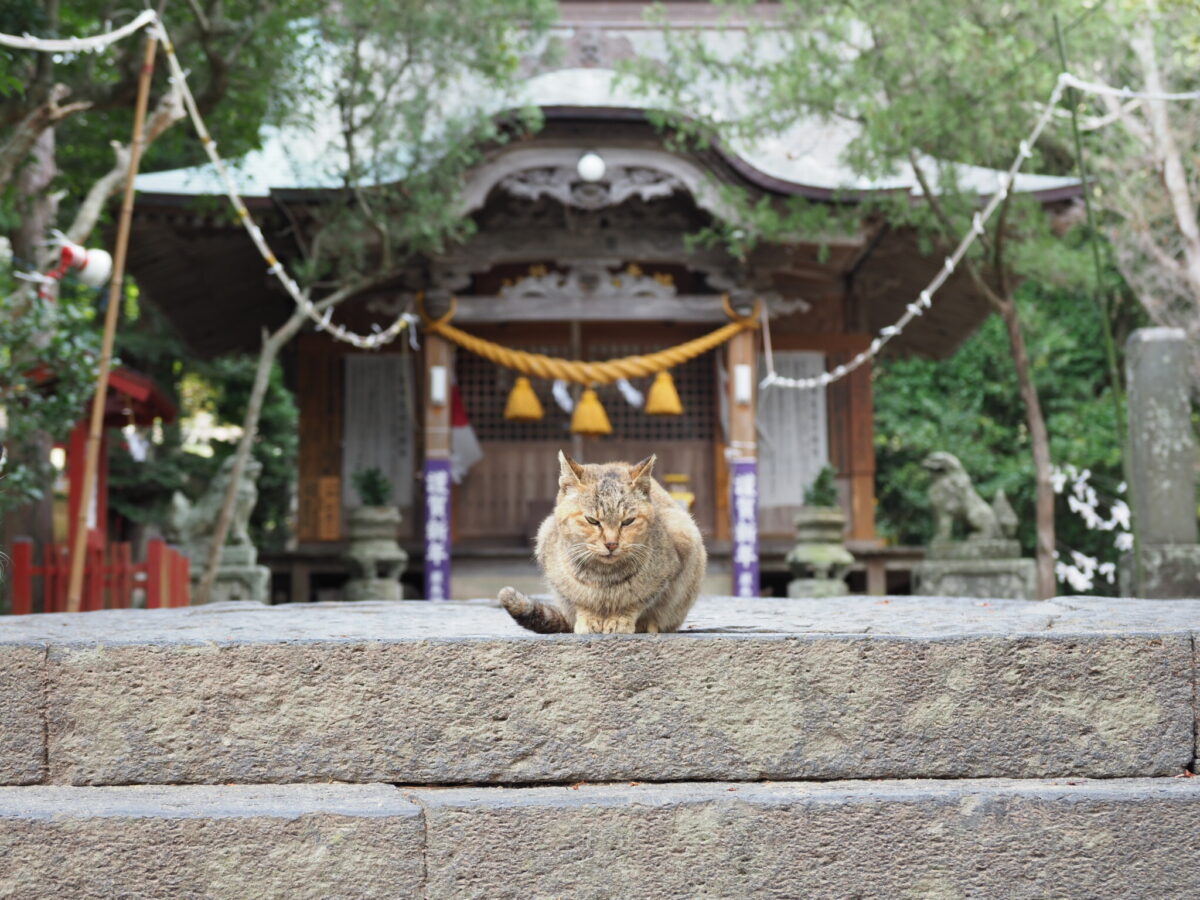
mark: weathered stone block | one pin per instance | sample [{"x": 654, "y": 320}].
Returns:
[
  {"x": 994, "y": 838},
  {"x": 1014, "y": 579},
  {"x": 1169, "y": 572},
  {"x": 22, "y": 731},
  {"x": 641, "y": 707},
  {"x": 212, "y": 842}
]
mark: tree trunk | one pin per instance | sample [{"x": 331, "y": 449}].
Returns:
[
  {"x": 272, "y": 344},
  {"x": 36, "y": 207},
  {"x": 1039, "y": 440}
]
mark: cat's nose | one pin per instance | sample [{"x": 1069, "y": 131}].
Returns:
[{"x": 611, "y": 545}]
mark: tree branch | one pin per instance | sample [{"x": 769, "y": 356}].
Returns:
[
  {"x": 45, "y": 115},
  {"x": 167, "y": 112}
]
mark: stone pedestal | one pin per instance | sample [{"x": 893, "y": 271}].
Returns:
[
  {"x": 976, "y": 567},
  {"x": 239, "y": 576},
  {"x": 374, "y": 557},
  {"x": 819, "y": 560},
  {"x": 1162, "y": 466}
]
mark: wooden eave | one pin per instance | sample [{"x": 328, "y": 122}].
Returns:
[
  {"x": 209, "y": 280},
  {"x": 204, "y": 274}
]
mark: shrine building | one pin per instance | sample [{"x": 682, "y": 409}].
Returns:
[{"x": 585, "y": 261}]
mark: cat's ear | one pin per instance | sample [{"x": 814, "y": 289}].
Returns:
[
  {"x": 569, "y": 471},
  {"x": 639, "y": 473}
]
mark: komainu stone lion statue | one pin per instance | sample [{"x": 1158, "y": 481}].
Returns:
[
  {"x": 193, "y": 524},
  {"x": 954, "y": 499}
]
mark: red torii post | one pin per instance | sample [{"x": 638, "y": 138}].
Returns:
[{"x": 132, "y": 399}]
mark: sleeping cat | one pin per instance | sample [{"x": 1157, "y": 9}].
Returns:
[{"x": 619, "y": 553}]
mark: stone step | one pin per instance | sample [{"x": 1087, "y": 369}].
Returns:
[
  {"x": 456, "y": 693},
  {"x": 947, "y": 839}
]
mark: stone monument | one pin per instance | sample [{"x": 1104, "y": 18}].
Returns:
[
  {"x": 987, "y": 561},
  {"x": 374, "y": 557},
  {"x": 1162, "y": 467},
  {"x": 191, "y": 525}
]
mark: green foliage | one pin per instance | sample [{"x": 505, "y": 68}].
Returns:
[
  {"x": 823, "y": 490},
  {"x": 416, "y": 88},
  {"x": 237, "y": 69},
  {"x": 931, "y": 82},
  {"x": 372, "y": 486},
  {"x": 48, "y": 358},
  {"x": 277, "y": 445},
  {"x": 141, "y": 491},
  {"x": 968, "y": 405}
]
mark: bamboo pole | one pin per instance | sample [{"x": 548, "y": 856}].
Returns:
[{"x": 92, "y": 456}]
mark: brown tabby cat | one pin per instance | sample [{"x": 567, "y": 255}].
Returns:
[{"x": 619, "y": 553}]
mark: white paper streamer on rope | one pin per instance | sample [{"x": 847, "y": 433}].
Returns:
[
  {"x": 79, "y": 44},
  {"x": 632, "y": 395},
  {"x": 562, "y": 396}
]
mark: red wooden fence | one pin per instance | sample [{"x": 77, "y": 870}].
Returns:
[{"x": 109, "y": 581}]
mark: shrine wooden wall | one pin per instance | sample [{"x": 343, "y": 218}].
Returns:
[
  {"x": 507, "y": 493},
  {"x": 324, "y": 458},
  {"x": 319, "y": 396}
]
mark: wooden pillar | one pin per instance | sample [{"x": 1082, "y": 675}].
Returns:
[
  {"x": 439, "y": 359},
  {"x": 743, "y": 398}
]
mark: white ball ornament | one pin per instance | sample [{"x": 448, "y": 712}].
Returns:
[{"x": 591, "y": 166}]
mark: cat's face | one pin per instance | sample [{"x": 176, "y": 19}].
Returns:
[{"x": 604, "y": 510}]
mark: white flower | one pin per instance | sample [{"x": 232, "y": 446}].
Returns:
[
  {"x": 1120, "y": 515},
  {"x": 1058, "y": 479}
]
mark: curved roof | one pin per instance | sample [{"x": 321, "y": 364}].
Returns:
[{"x": 807, "y": 159}]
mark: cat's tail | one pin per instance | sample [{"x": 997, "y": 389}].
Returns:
[{"x": 534, "y": 614}]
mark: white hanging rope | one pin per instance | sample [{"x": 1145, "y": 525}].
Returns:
[
  {"x": 322, "y": 321},
  {"x": 925, "y": 298},
  {"x": 77, "y": 44},
  {"x": 407, "y": 320}
]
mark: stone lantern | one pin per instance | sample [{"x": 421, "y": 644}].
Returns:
[
  {"x": 819, "y": 560},
  {"x": 374, "y": 556}
]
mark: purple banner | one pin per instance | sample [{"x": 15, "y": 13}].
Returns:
[
  {"x": 437, "y": 529},
  {"x": 745, "y": 528}
]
